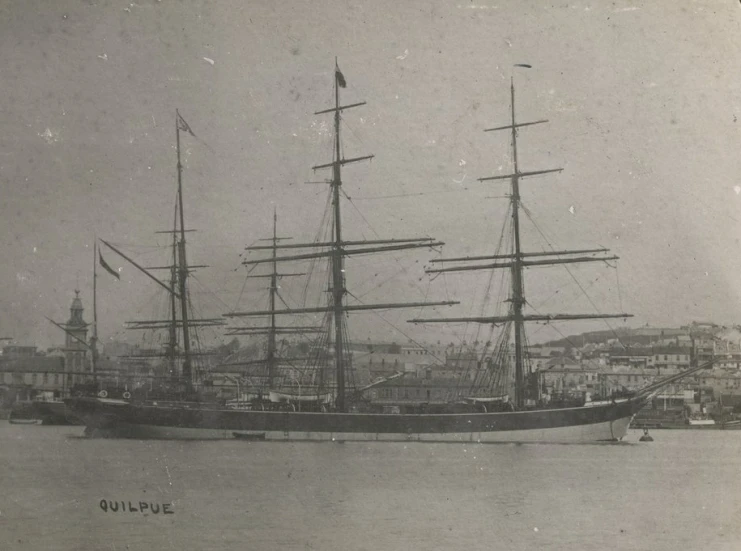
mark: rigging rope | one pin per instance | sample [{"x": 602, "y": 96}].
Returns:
[{"x": 614, "y": 332}]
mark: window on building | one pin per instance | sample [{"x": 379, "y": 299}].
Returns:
[
  {"x": 46, "y": 378},
  {"x": 33, "y": 379}
]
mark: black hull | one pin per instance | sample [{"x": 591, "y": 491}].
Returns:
[
  {"x": 115, "y": 418},
  {"x": 54, "y": 413}
]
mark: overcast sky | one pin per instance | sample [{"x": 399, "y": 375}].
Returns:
[{"x": 643, "y": 101}]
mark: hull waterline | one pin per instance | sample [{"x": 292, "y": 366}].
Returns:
[{"x": 119, "y": 419}]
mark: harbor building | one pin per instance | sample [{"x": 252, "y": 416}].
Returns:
[{"x": 26, "y": 372}]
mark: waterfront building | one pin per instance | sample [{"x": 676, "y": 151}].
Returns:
[
  {"x": 638, "y": 357},
  {"x": 25, "y": 373},
  {"x": 411, "y": 391},
  {"x": 670, "y": 358}
]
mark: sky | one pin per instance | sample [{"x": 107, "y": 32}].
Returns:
[{"x": 643, "y": 101}]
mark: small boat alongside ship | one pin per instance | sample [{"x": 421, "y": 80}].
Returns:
[
  {"x": 41, "y": 410},
  {"x": 480, "y": 413},
  {"x": 685, "y": 419},
  {"x": 686, "y": 424},
  {"x": 22, "y": 413},
  {"x": 53, "y": 411}
]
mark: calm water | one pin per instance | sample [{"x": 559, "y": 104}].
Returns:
[{"x": 682, "y": 491}]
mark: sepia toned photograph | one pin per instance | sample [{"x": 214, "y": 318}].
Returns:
[{"x": 346, "y": 275}]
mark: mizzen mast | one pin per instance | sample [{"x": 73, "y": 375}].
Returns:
[
  {"x": 517, "y": 261},
  {"x": 272, "y": 330}
]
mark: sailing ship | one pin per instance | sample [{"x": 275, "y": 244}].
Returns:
[
  {"x": 524, "y": 419},
  {"x": 184, "y": 359}
]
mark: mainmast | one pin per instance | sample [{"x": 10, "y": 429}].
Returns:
[
  {"x": 518, "y": 293},
  {"x": 338, "y": 276},
  {"x": 517, "y": 261},
  {"x": 183, "y": 264},
  {"x": 337, "y": 249}
]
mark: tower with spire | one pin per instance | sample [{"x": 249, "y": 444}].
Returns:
[{"x": 75, "y": 344}]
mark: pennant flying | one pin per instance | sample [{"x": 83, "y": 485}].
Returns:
[
  {"x": 107, "y": 268},
  {"x": 340, "y": 78},
  {"x": 182, "y": 125}
]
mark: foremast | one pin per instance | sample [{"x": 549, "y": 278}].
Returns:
[
  {"x": 517, "y": 261},
  {"x": 337, "y": 249}
]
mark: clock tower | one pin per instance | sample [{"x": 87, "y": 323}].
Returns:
[{"x": 75, "y": 347}]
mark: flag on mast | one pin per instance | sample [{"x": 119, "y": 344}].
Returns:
[
  {"x": 340, "y": 77},
  {"x": 107, "y": 268},
  {"x": 182, "y": 125}
]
